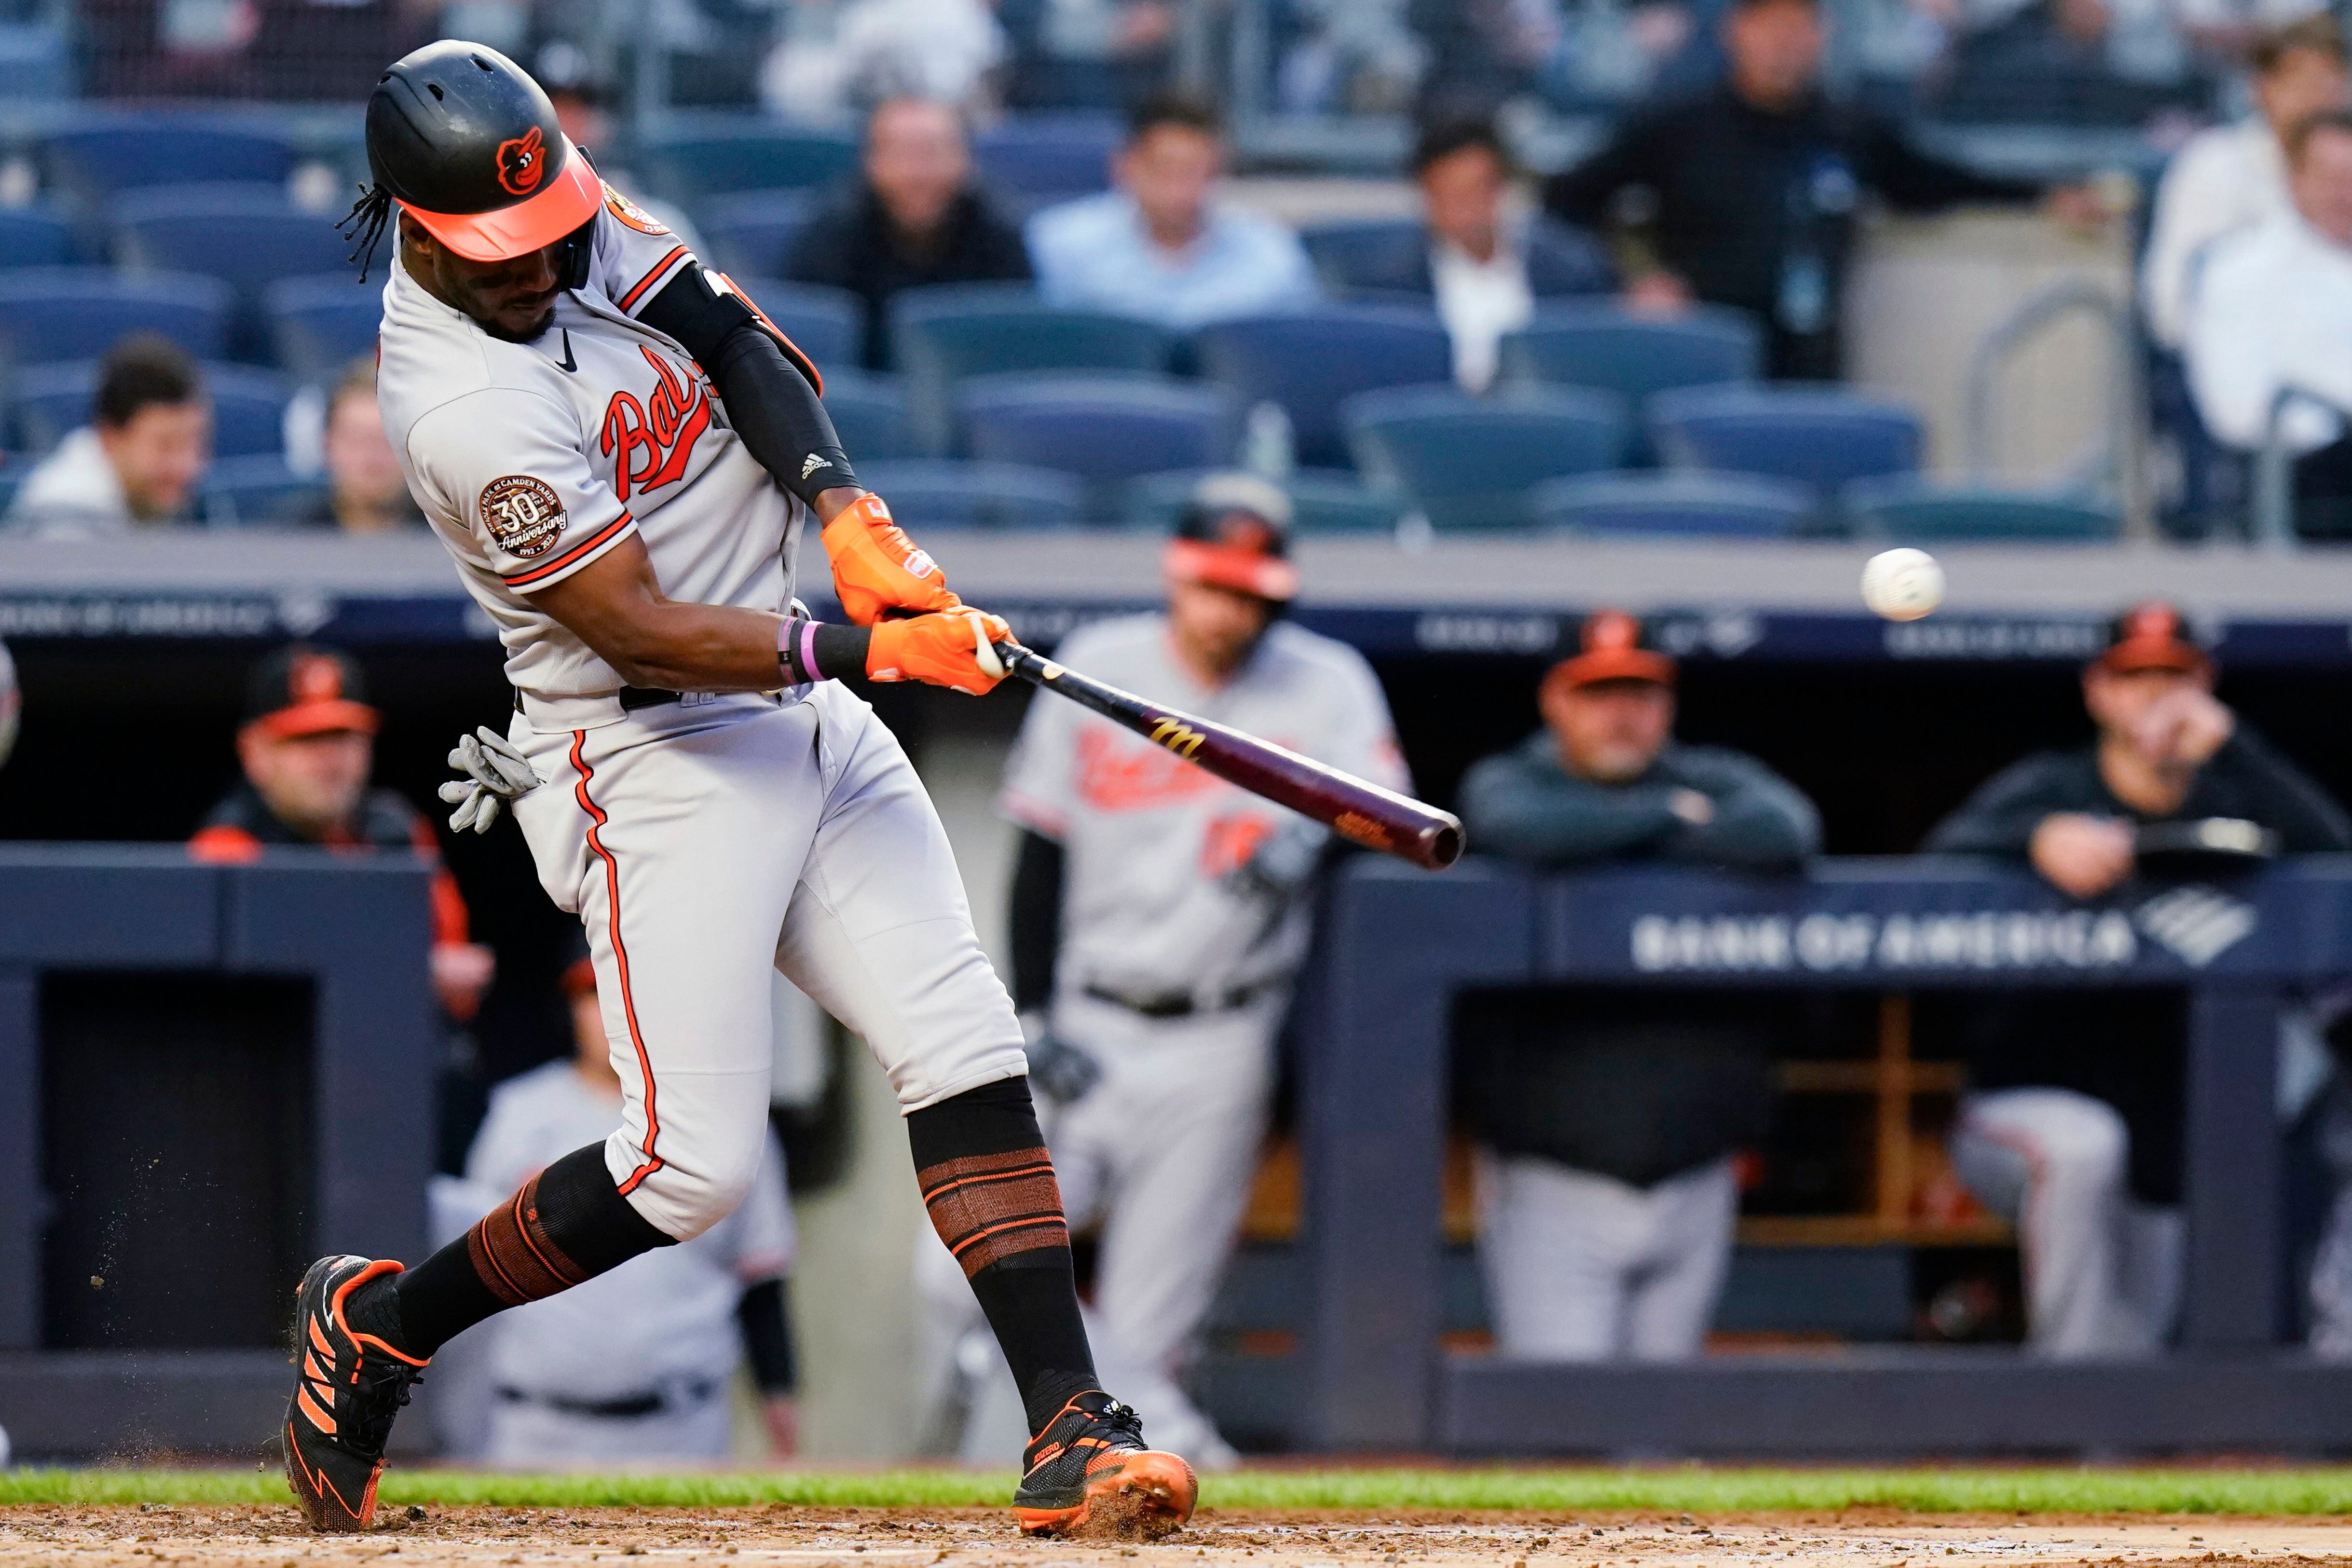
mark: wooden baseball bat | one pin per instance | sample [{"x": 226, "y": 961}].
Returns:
[{"x": 1357, "y": 810}]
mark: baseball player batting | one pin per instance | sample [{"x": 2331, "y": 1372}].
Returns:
[{"x": 623, "y": 455}]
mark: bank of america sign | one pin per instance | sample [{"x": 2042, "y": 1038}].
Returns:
[{"x": 2195, "y": 923}]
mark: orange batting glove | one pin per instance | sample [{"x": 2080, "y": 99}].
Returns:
[
  {"x": 956, "y": 649},
  {"x": 876, "y": 569}
]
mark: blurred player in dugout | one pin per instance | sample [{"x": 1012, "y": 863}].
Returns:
[
  {"x": 2072, "y": 1130},
  {"x": 307, "y": 747},
  {"x": 637, "y": 1364},
  {"x": 1159, "y": 921},
  {"x": 1607, "y": 1125}
]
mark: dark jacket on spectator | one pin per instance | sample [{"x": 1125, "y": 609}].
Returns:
[
  {"x": 1560, "y": 260},
  {"x": 1750, "y": 205},
  {"x": 1635, "y": 1086},
  {"x": 2122, "y": 1047},
  {"x": 853, "y": 245},
  {"x": 242, "y": 825}
]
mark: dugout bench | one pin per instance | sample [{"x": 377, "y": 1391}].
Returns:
[
  {"x": 1400, "y": 945},
  {"x": 206, "y": 1074}
]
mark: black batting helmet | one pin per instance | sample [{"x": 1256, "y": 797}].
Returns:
[{"x": 465, "y": 143}]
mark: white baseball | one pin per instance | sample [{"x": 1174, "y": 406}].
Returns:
[{"x": 1903, "y": 584}]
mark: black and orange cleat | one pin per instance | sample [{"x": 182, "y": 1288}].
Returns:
[
  {"x": 348, "y": 1388},
  {"x": 1090, "y": 1475}
]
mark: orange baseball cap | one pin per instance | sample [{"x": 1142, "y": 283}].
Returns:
[
  {"x": 2152, "y": 635},
  {"x": 304, "y": 690},
  {"x": 1235, "y": 533},
  {"x": 1612, "y": 650}
]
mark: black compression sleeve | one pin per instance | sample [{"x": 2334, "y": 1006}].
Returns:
[
  {"x": 820, "y": 650},
  {"x": 1036, "y": 920},
  {"x": 766, "y": 1322},
  {"x": 770, "y": 404}
]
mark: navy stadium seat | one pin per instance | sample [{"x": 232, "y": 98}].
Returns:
[
  {"x": 32, "y": 237},
  {"x": 47, "y": 314},
  {"x": 942, "y": 335},
  {"x": 1912, "y": 510},
  {"x": 944, "y": 493},
  {"x": 751, "y": 233},
  {"x": 248, "y": 406},
  {"x": 1608, "y": 347},
  {"x": 827, "y": 324},
  {"x": 1107, "y": 429},
  {"x": 259, "y": 491},
  {"x": 1820, "y": 435},
  {"x": 1322, "y": 501},
  {"x": 1311, "y": 361},
  {"x": 112, "y": 152},
  {"x": 1341, "y": 250},
  {"x": 318, "y": 325},
  {"x": 1671, "y": 502},
  {"x": 696, "y": 160},
  {"x": 1469, "y": 462},
  {"x": 869, "y": 414},
  {"x": 1034, "y": 158},
  {"x": 246, "y": 237}
]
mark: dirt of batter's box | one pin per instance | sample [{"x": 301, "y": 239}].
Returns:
[{"x": 980, "y": 1537}]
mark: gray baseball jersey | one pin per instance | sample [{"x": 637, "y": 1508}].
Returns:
[
  {"x": 1148, "y": 838},
  {"x": 533, "y": 459}
]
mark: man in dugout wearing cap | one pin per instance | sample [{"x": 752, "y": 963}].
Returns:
[
  {"x": 1607, "y": 1125},
  {"x": 1158, "y": 919},
  {"x": 2072, "y": 1129},
  {"x": 306, "y": 749}
]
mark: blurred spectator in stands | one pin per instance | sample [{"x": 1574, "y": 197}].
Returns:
[
  {"x": 635, "y": 1366},
  {"x": 2074, "y": 62},
  {"x": 136, "y": 463},
  {"x": 1608, "y": 1126},
  {"x": 307, "y": 747},
  {"x": 1482, "y": 53},
  {"x": 2071, "y": 1132},
  {"x": 365, "y": 492},
  {"x": 1161, "y": 246},
  {"x": 1756, "y": 186},
  {"x": 1485, "y": 267},
  {"x": 1352, "y": 56},
  {"x": 2233, "y": 177},
  {"x": 838, "y": 56},
  {"x": 915, "y": 217},
  {"x": 2271, "y": 313},
  {"x": 1089, "y": 53}
]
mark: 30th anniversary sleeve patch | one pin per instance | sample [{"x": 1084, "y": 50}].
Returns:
[{"x": 524, "y": 515}]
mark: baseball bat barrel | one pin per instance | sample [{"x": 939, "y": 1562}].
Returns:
[{"x": 1357, "y": 810}]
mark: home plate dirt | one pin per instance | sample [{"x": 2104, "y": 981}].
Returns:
[{"x": 873, "y": 1538}]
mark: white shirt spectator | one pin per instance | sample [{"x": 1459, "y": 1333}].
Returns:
[
  {"x": 662, "y": 1324},
  {"x": 73, "y": 493},
  {"x": 2273, "y": 309},
  {"x": 2230, "y": 178},
  {"x": 1097, "y": 254},
  {"x": 1479, "y": 301}
]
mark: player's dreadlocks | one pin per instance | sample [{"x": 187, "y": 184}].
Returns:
[{"x": 365, "y": 226}]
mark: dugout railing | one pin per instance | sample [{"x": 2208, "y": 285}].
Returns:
[
  {"x": 206, "y": 1074},
  {"x": 1401, "y": 945}
]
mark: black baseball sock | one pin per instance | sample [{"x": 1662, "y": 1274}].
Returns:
[
  {"x": 989, "y": 1186},
  {"x": 568, "y": 1224}
]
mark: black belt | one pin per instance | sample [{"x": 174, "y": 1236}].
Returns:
[
  {"x": 626, "y": 1408},
  {"x": 1182, "y": 1004},
  {"x": 632, "y": 698}
]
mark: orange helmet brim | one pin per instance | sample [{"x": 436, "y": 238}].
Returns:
[{"x": 532, "y": 224}]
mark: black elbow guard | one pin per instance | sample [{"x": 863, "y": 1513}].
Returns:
[{"x": 769, "y": 387}]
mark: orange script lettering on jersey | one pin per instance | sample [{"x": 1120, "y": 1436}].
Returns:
[
  {"x": 1117, "y": 775},
  {"x": 649, "y": 442}
]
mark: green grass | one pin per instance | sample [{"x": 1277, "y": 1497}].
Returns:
[{"x": 1691, "y": 1489}]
